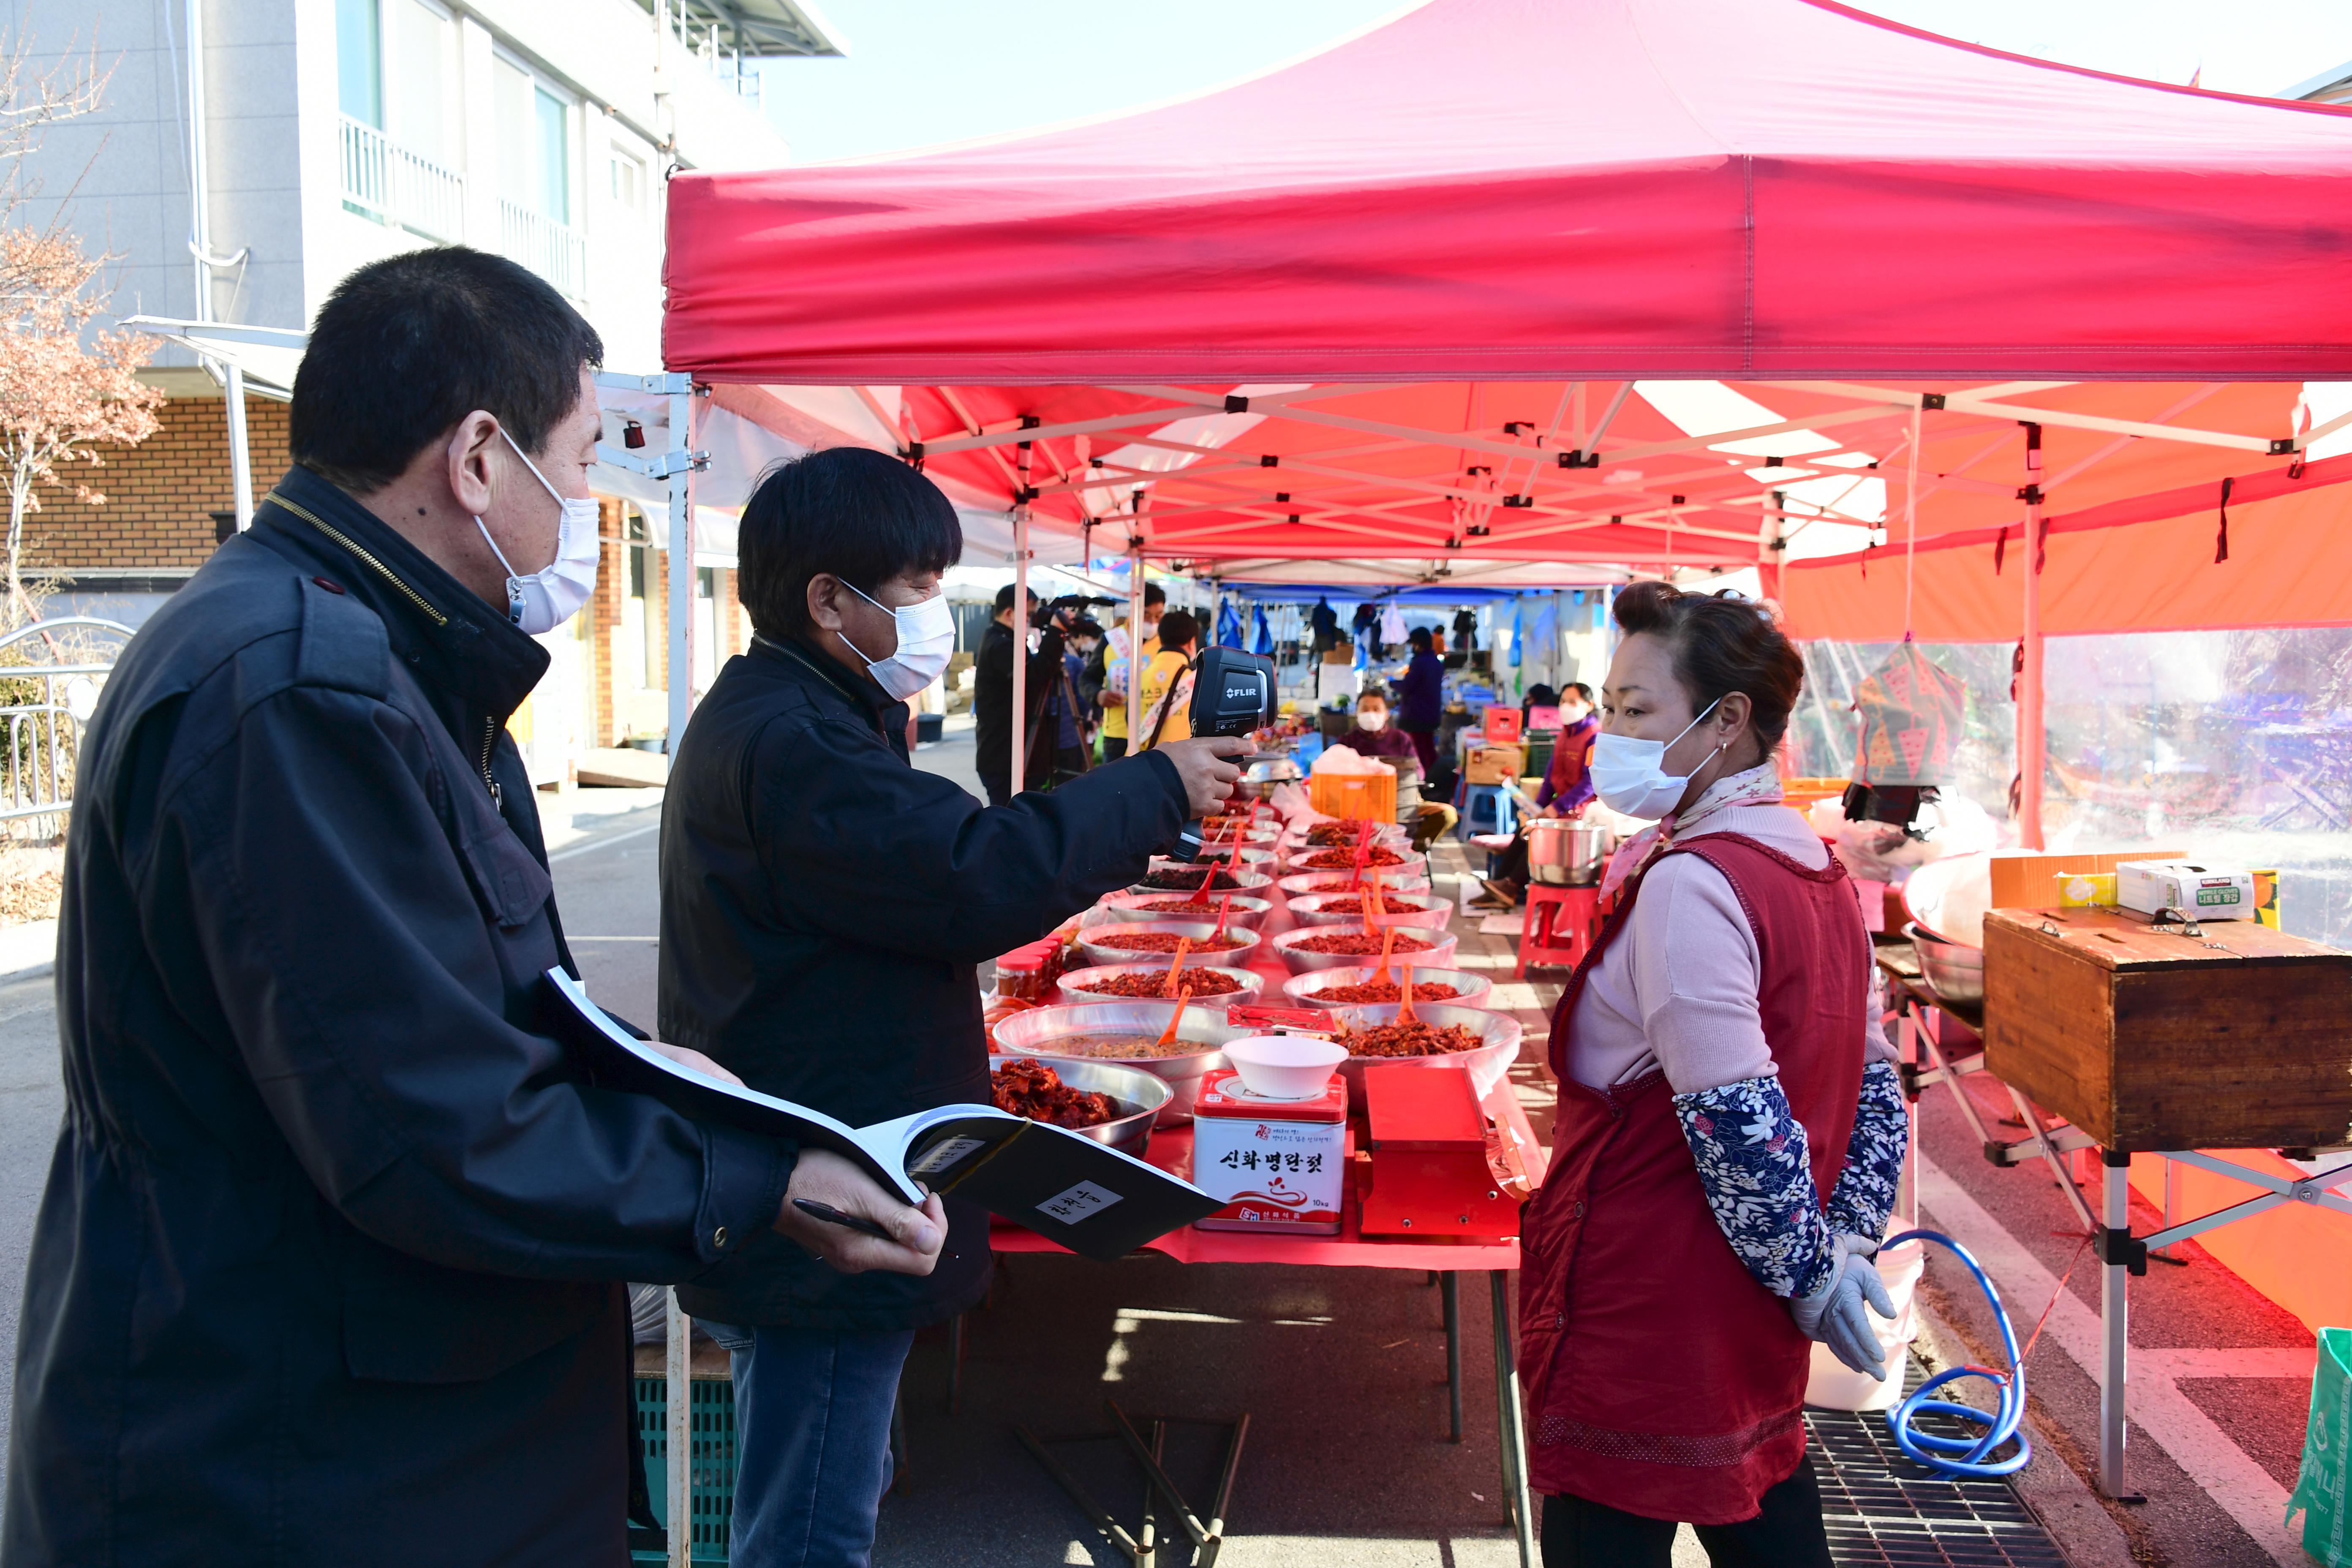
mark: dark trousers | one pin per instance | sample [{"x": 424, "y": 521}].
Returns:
[
  {"x": 997, "y": 783},
  {"x": 1114, "y": 748},
  {"x": 1787, "y": 1533}
]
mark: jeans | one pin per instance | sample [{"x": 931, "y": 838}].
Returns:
[
  {"x": 813, "y": 1437},
  {"x": 1787, "y": 1533}
]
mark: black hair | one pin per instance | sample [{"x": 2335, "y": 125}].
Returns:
[
  {"x": 407, "y": 346},
  {"x": 1721, "y": 643},
  {"x": 1153, "y": 594},
  {"x": 861, "y": 515},
  {"x": 1419, "y": 638},
  {"x": 1583, "y": 692},
  {"x": 1004, "y": 595},
  {"x": 1374, "y": 694},
  {"x": 1087, "y": 628},
  {"x": 1178, "y": 627}
]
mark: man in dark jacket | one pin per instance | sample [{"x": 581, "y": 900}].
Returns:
[
  {"x": 823, "y": 905},
  {"x": 329, "y": 1265},
  {"x": 991, "y": 696},
  {"x": 1421, "y": 698}
]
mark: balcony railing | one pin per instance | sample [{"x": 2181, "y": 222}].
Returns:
[
  {"x": 394, "y": 185},
  {"x": 556, "y": 251}
]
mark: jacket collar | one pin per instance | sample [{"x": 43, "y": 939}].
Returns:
[
  {"x": 440, "y": 628},
  {"x": 798, "y": 655}
]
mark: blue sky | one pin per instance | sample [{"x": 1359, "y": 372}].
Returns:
[{"x": 926, "y": 71}]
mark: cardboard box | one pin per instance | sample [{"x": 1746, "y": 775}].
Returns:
[
  {"x": 1275, "y": 1164},
  {"x": 1494, "y": 765},
  {"x": 2204, "y": 892}
]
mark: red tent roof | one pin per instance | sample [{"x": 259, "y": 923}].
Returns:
[{"x": 1494, "y": 189}]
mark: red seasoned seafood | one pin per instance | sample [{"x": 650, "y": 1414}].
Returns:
[
  {"x": 1385, "y": 903},
  {"x": 1189, "y": 882},
  {"x": 1163, "y": 942},
  {"x": 1358, "y": 942},
  {"x": 1386, "y": 991},
  {"x": 1180, "y": 906},
  {"x": 1331, "y": 833},
  {"x": 1031, "y": 1088},
  {"x": 1412, "y": 1039},
  {"x": 1338, "y": 860},
  {"x": 1154, "y": 984}
]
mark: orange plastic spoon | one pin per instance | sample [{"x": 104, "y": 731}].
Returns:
[{"x": 1184, "y": 947}]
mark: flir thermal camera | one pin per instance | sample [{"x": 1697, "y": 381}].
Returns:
[{"x": 1232, "y": 694}]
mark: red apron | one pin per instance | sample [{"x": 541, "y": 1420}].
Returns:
[{"x": 1661, "y": 1378}]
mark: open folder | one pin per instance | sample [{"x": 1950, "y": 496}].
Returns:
[{"x": 1085, "y": 1195}]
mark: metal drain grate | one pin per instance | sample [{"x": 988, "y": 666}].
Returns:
[{"x": 1884, "y": 1509}]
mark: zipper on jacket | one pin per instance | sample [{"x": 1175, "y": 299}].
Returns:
[
  {"x": 378, "y": 567},
  {"x": 489, "y": 743}
]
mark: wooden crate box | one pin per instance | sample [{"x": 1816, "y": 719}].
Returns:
[{"x": 2147, "y": 1038}]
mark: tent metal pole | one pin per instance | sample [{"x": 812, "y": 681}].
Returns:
[
  {"x": 1017, "y": 779},
  {"x": 1134, "y": 632},
  {"x": 681, "y": 570},
  {"x": 2030, "y": 732}
]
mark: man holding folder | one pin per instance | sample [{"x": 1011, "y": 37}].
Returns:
[{"x": 330, "y": 1265}]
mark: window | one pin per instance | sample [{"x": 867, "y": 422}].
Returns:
[
  {"x": 359, "y": 62},
  {"x": 534, "y": 145},
  {"x": 628, "y": 180},
  {"x": 419, "y": 53}
]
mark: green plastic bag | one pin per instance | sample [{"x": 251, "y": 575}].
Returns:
[{"x": 2321, "y": 1490}]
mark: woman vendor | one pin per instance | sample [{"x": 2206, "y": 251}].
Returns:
[
  {"x": 1730, "y": 1125},
  {"x": 1567, "y": 790}
]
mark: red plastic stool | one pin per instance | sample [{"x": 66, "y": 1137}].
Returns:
[{"x": 1557, "y": 926}]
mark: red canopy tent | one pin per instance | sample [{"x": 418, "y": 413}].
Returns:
[{"x": 1387, "y": 307}]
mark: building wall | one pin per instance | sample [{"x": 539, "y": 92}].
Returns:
[{"x": 159, "y": 495}]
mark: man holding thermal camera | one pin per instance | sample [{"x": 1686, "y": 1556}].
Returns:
[{"x": 823, "y": 907}]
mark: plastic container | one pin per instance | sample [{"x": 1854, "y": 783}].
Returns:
[
  {"x": 1359, "y": 798},
  {"x": 1284, "y": 1066},
  {"x": 710, "y": 1407}
]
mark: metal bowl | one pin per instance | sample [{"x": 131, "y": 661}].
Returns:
[
  {"x": 1486, "y": 1065},
  {"x": 1073, "y": 985},
  {"x": 1248, "y": 914},
  {"x": 1438, "y": 957},
  {"x": 1041, "y": 1027},
  {"x": 1305, "y": 881},
  {"x": 1294, "y": 862},
  {"x": 1427, "y": 913},
  {"x": 1301, "y": 990},
  {"x": 1382, "y": 832},
  {"x": 1260, "y": 861},
  {"x": 1262, "y": 778},
  {"x": 1143, "y": 1096},
  {"x": 1095, "y": 941},
  {"x": 1247, "y": 881},
  {"x": 1956, "y": 974}
]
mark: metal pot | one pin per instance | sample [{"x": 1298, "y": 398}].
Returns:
[
  {"x": 1565, "y": 853},
  {"x": 1261, "y": 779}
]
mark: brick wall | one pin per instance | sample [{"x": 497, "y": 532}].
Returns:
[{"x": 160, "y": 494}]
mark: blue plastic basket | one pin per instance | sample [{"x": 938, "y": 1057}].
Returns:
[{"x": 710, "y": 1412}]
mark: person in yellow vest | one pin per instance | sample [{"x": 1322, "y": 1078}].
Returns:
[
  {"x": 1116, "y": 652},
  {"x": 1167, "y": 694}
]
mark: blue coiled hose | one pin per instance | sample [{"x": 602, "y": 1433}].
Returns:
[{"x": 1966, "y": 1457}]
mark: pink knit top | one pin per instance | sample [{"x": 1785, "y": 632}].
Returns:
[{"x": 1677, "y": 988}]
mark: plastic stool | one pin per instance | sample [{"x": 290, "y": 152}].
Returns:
[
  {"x": 1494, "y": 844},
  {"x": 1557, "y": 926},
  {"x": 1486, "y": 808}
]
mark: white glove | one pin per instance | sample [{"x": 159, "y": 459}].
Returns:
[{"x": 1834, "y": 1315}]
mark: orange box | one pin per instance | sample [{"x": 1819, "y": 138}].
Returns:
[{"x": 1359, "y": 797}]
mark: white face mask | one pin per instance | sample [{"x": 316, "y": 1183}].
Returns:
[
  {"x": 552, "y": 595},
  {"x": 1376, "y": 719},
  {"x": 1151, "y": 630},
  {"x": 927, "y": 634},
  {"x": 1630, "y": 776}
]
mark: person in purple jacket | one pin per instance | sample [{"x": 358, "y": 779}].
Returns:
[{"x": 1421, "y": 698}]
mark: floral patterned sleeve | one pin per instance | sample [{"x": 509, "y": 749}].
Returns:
[
  {"x": 1752, "y": 1160},
  {"x": 1864, "y": 1195}
]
